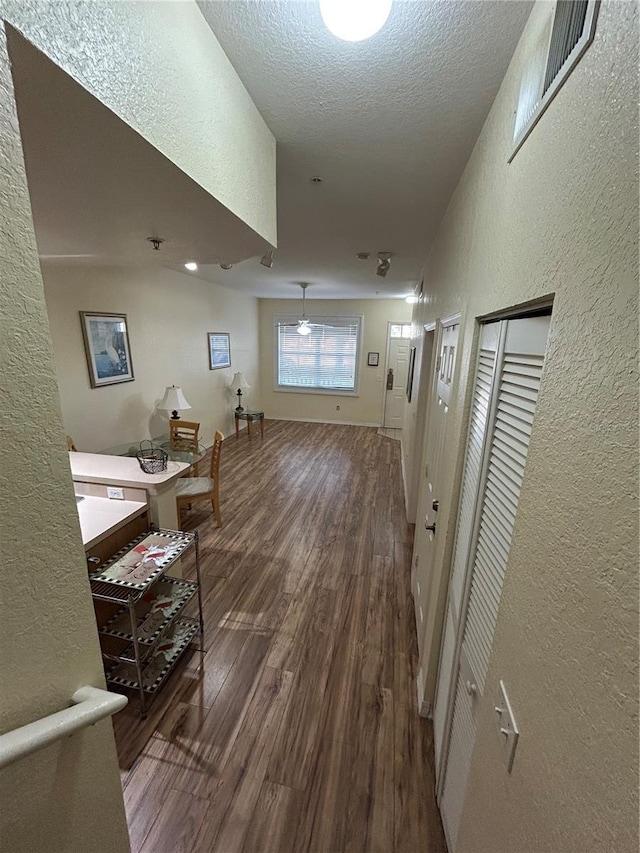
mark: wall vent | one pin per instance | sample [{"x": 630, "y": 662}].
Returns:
[{"x": 559, "y": 41}]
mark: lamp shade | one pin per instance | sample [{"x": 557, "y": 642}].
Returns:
[
  {"x": 173, "y": 399},
  {"x": 239, "y": 381}
]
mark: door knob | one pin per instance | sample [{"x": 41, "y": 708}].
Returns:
[
  {"x": 435, "y": 505},
  {"x": 431, "y": 527},
  {"x": 472, "y": 688}
]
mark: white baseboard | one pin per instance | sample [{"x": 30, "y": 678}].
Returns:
[
  {"x": 320, "y": 421},
  {"x": 424, "y": 707}
]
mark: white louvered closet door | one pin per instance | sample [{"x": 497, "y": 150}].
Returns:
[{"x": 490, "y": 492}]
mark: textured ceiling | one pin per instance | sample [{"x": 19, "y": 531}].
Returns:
[
  {"x": 388, "y": 124},
  {"x": 98, "y": 189}
]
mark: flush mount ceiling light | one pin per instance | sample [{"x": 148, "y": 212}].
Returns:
[
  {"x": 412, "y": 299},
  {"x": 226, "y": 266},
  {"x": 354, "y": 20},
  {"x": 267, "y": 259},
  {"x": 192, "y": 266}
]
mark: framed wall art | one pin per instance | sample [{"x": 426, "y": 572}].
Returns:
[
  {"x": 106, "y": 343},
  {"x": 373, "y": 359},
  {"x": 219, "y": 350}
]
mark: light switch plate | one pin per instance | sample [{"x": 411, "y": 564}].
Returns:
[
  {"x": 115, "y": 494},
  {"x": 508, "y": 732}
]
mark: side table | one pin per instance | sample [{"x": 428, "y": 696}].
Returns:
[{"x": 249, "y": 415}]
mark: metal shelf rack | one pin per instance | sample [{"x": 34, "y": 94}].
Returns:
[{"x": 144, "y": 640}]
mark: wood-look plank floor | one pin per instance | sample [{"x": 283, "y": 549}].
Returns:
[{"x": 295, "y": 728}]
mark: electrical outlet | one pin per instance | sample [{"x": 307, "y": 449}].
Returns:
[{"x": 115, "y": 493}]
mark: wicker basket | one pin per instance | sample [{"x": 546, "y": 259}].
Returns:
[{"x": 152, "y": 460}]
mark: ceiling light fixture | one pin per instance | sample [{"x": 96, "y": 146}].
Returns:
[
  {"x": 363, "y": 256},
  {"x": 354, "y": 20},
  {"x": 267, "y": 259},
  {"x": 192, "y": 266},
  {"x": 226, "y": 266},
  {"x": 412, "y": 299}
]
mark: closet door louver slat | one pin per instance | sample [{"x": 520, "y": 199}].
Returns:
[{"x": 509, "y": 446}]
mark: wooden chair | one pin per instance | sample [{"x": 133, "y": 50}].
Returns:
[
  {"x": 183, "y": 435},
  {"x": 191, "y": 489},
  {"x": 71, "y": 444}
]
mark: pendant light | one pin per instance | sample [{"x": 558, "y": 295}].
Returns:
[{"x": 354, "y": 20}]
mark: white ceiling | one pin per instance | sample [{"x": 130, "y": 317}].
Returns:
[{"x": 388, "y": 123}]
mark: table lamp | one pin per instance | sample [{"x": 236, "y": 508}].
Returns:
[
  {"x": 239, "y": 382},
  {"x": 173, "y": 400}
]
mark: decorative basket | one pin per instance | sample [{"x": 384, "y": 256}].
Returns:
[{"x": 152, "y": 460}]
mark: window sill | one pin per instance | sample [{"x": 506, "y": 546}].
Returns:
[{"x": 322, "y": 392}]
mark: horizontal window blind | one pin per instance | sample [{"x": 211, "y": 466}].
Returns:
[{"x": 325, "y": 359}]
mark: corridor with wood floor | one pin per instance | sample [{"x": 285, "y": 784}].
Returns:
[{"x": 295, "y": 729}]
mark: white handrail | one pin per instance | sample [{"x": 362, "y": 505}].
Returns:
[{"x": 89, "y": 706}]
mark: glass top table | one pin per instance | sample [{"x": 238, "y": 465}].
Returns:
[{"x": 131, "y": 448}]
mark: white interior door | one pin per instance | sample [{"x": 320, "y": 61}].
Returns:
[
  {"x": 506, "y": 387},
  {"x": 437, "y": 425},
  {"x": 396, "y": 382}
]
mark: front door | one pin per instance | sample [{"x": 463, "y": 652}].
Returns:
[{"x": 396, "y": 381}]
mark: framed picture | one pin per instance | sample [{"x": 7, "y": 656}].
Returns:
[
  {"x": 412, "y": 366},
  {"x": 219, "y": 350},
  {"x": 373, "y": 359},
  {"x": 106, "y": 343}
]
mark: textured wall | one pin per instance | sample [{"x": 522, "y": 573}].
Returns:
[
  {"x": 366, "y": 408},
  {"x": 562, "y": 219},
  {"x": 168, "y": 315},
  {"x": 159, "y": 67},
  {"x": 66, "y": 798}
]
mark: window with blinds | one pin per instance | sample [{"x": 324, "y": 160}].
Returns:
[
  {"x": 559, "y": 36},
  {"x": 324, "y": 360}
]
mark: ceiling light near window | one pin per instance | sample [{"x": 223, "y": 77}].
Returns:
[
  {"x": 192, "y": 266},
  {"x": 304, "y": 328},
  {"x": 354, "y": 20},
  {"x": 412, "y": 299}
]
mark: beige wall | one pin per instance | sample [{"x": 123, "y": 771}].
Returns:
[
  {"x": 159, "y": 67},
  {"x": 66, "y": 798},
  {"x": 366, "y": 408},
  {"x": 169, "y": 315},
  {"x": 561, "y": 219}
]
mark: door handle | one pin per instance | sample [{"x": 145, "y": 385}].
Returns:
[
  {"x": 390, "y": 379},
  {"x": 431, "y": 527},
  {"x": 472, "y": 688}
]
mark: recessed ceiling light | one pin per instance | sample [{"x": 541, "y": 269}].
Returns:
[
  {"x": 412, "y": 299},
  {"x": 226, "y": 266},
  {"x": 192, "y": 266},
  {"x": 362, "y": 256},
  {"x": 354, "y": 20}
]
